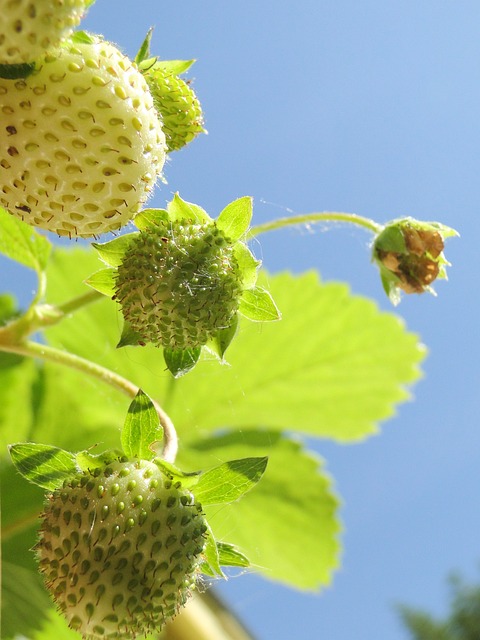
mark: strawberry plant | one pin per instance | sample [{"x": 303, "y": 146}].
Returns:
[{"x": 111, "y": 524}]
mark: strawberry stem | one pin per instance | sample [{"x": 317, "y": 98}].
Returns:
[
  {"x": 309, "y": 218},
  {"x": 35, "y": 350}
]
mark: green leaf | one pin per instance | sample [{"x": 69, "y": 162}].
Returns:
[
  {"x": 151, "y": 218},
  {"x": 288, "y": 527},
  {"x": 16, "y": 378},
  {"x": 181, "y": 361},
  {"x": 103, "y": 281},
  {"x": 235, "y": 219},
  {"x": 129, "y": 337},
  {"x": 258, "y": 305},
  {"x": 229, "y": 481},
  {"x": 42, "y": 464},
  {"x": 141, "y": 429},
  {"x": 144, "y": 51},
  {"x": 180, "y": 210},
  {"x": 20, "y": 242},
  {"x": 211, "y": 555},
  {"x": 188, "y": 480},
  {"x": 222, "y": 339},
  {"x": 230, "y": 556},
  {"x": 112, "y": 252},
  {"x": 16, "y": 71},
  {"x": 175, "y": 67},
  {"x": 248, "y": 264},
  {"x": 24, "y": 601},
  {"x": 331, "y": 350},
  {"x": 87, "y": 461}
]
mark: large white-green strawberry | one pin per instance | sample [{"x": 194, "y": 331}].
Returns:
[
  {"x": 120, "y": 549},
  {"x": 81, "y": 144},
  {"x": 28, "y": 28}
]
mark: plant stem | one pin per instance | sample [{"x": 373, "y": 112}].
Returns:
[
  {"x": 35, "y": 350},
  {"x": 80, "y": 301},
  {"x": 308, "y": 218}
]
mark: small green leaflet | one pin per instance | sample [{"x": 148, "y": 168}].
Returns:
[
  {"x": 141, "y": 429},
  {"x": 20, "y": 242},
  {"x": 112, "y": 252},
  {"x": 87, "y": 461},
  {"x": 248, "y": 264},
  {"x": 235, "y": 219},
  {"x": 103, "y": 281},
  {"x": 211, "y": 554},
  {"x": 229, "y": 481},
  {"x": 181, "y": 361},
  {"x": 179, "y": 210},
  {"x": 257, "y": 304},
  {"x": 222, "y": 339},
  {"x": 43, "y": 464},
  {"x": 230, "y": 556},
  {"x": 151, "y": 218},
  {"x": 188, "y": 480}
]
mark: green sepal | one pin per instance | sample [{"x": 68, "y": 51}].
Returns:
[
  {"x": 130, "y": 337},
  {"x": 391, "y": 239},
  {"x": 82, "y": 37},
  {"x": 144, "y": 51},
  {"x": 175, "y": 67},
  {"x": 230, "y": 556},
  {"x": 16, "y": 71},
  {"x": 42, "y": 464},
  {"x": 188, "y": 480},
  {"x": 235, "y": 219},
  {"x": 181, "y": 210},
  {"x": 247, "y": 263},
  {"x": 222, "y": 339},
  {"x": 229, "y": 481},
  {"x": 211, "y": 555},
  {"x": 151, "y": 218},
  {"x": 112, "y": 252},
  {"x": 141, "y": 428},
  {"x": 181, "y": 361},
  {"x": 103, "y": 281},
  {"x": 87, "y": 461},
  {"x": 390, "y": 285},
  {"x": 258, "y": 305}
]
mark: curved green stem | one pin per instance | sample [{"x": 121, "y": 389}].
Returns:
[
  {"x": 80, "y": 301},
  {"x": 309, "y": 218},
  {"x": 35, "y": 350}
]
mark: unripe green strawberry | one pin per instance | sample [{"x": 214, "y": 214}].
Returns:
[
  {"x": 28, "y": 28},
  {"x": 81, "y": 145},
  {"x": 120, "y": 549},
  {"x": 179, "y": 283},
  {"x": 177, "y": 104}
]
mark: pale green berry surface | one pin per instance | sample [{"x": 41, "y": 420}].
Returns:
[
  {"x": 119, "y": 549},
  {"x": 179, "y": 284},
  {"x": 28, "y": 28},
  {"x": 81, "y": 145}
]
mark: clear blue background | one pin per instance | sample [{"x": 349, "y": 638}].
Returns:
[{"x": 369, "y": 107}]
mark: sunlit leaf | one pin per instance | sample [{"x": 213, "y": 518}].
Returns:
[
  {"x": 293, "y": 501},
  {"x": 258, "y": 305},
  {"x": 42, "y": 464},
  {"x": 179, "y": 210},
  {"x": 229, "y": 481},
  {"x": 141, "y": 429},
  {"x": 235, "y": 219},
  {"x": 19, "y": 241}
]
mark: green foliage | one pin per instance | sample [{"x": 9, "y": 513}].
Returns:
[{"x": 461, "y": 623}]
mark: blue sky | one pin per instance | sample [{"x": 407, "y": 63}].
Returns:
[{"x": 370, "y": 107}]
